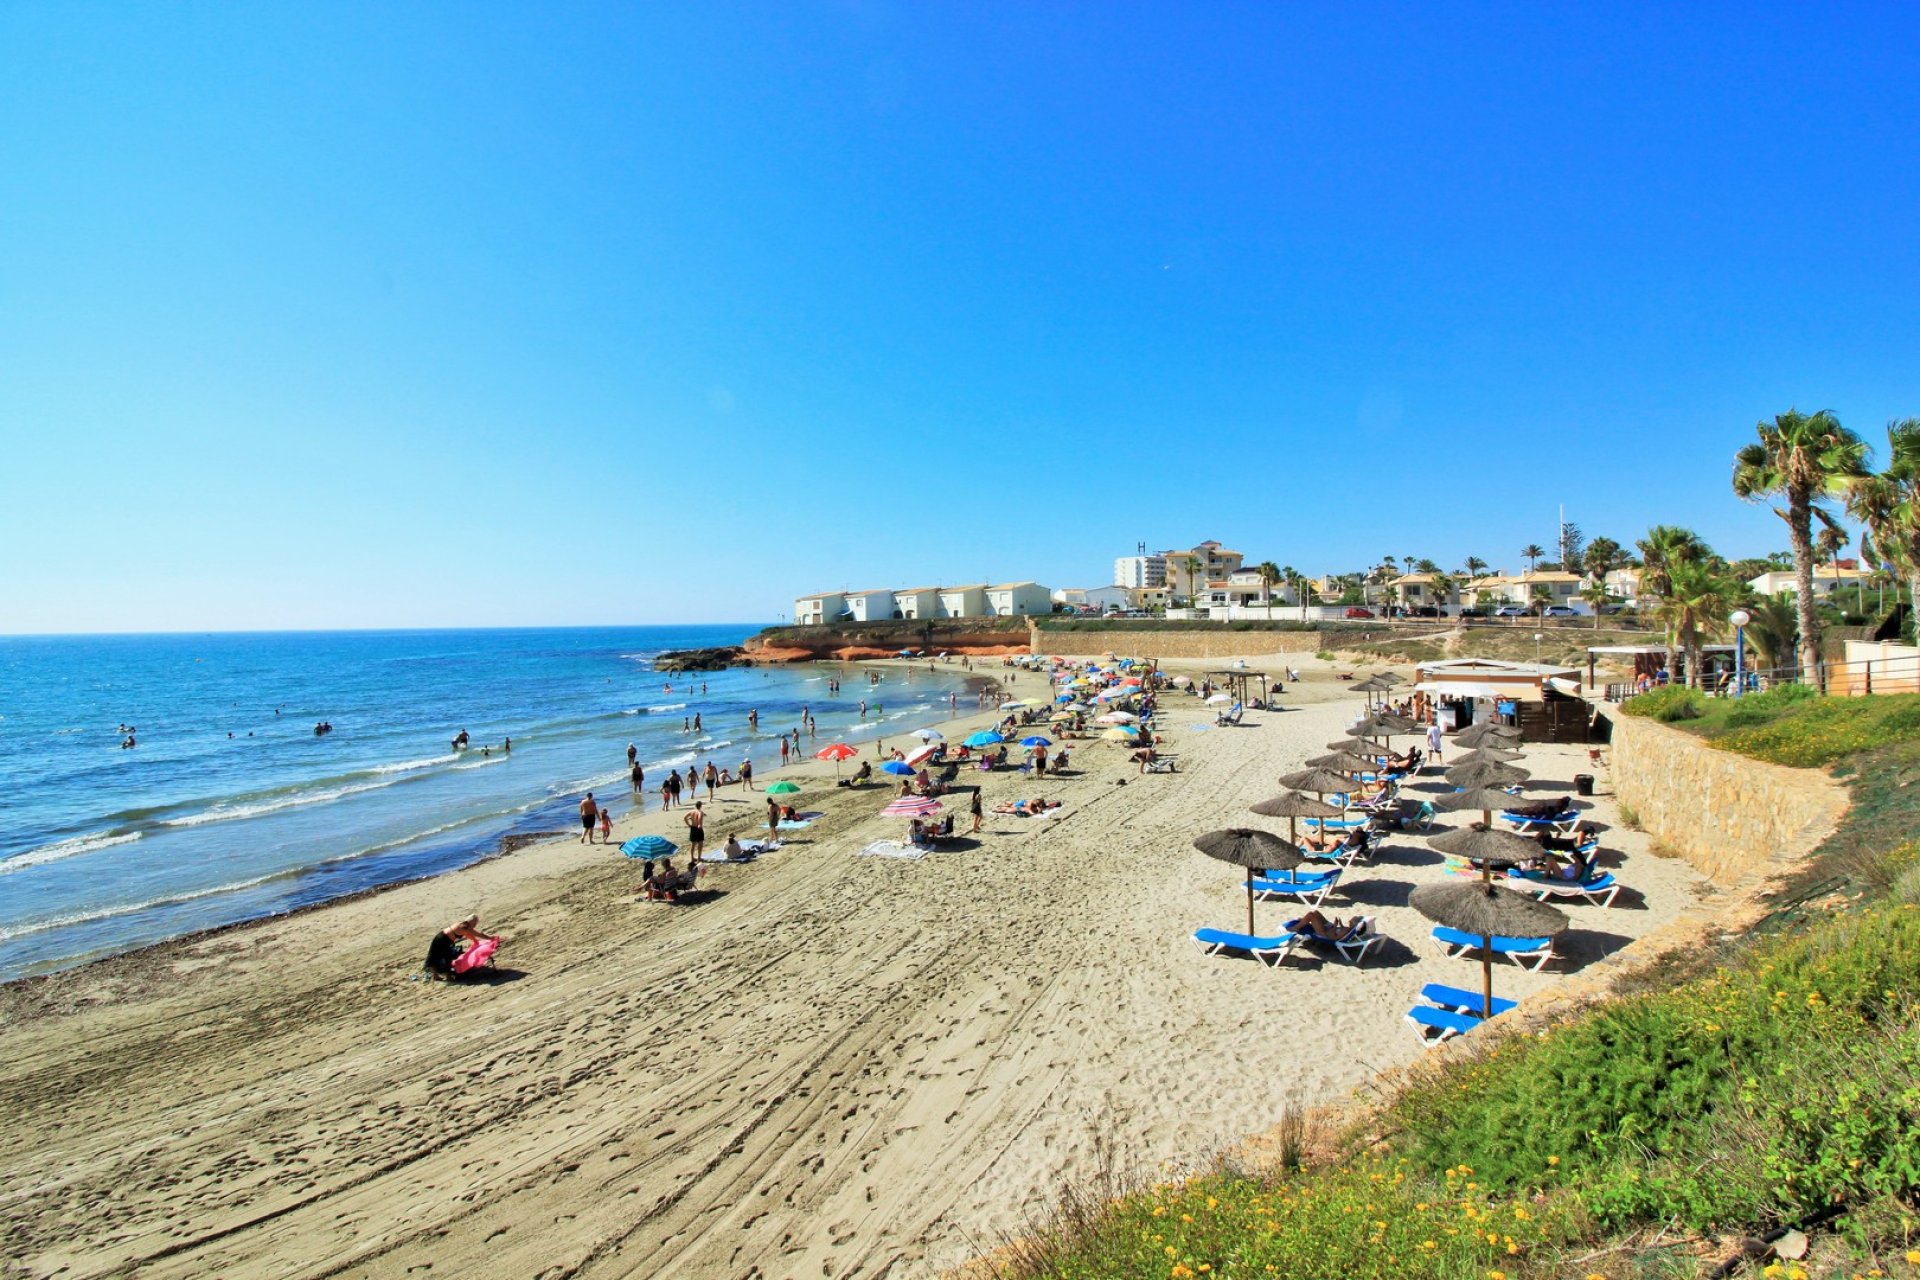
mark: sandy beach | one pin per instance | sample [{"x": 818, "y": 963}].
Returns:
[{"x": 833, "y": 1065}]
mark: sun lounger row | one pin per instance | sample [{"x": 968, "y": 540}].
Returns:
[
  {"x": 1445, "y": 1012},
  {"x": 1531, "y": 953}
]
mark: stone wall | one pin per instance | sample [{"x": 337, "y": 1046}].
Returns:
[
  {"x": 1731, "y": 817},
  {"x": 1149, "y": 643}
]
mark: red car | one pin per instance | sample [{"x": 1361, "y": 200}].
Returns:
[{"x": 1355, "y": 611}]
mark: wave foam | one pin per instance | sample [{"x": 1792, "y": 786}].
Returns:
[
  {"x": 8, "y": 934},
  {"x": 66, "y": 849},
  {"x": 408, "y": 766}
]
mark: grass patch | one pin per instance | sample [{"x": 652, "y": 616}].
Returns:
[{"x": 1669, "y": 705}]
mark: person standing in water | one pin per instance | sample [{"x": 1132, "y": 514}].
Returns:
[{"x": 633, "y": 755}]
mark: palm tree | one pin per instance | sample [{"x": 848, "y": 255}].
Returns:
[
  {"x": 1802, "y": 458},
  {"x": 1193, "y": 574},
  {"x": 1602, "y": 558},
  {"x": 1888, "y": 503},
  {"x": 1828, "y": 544},
  {"x": 1665, "y": 546},
  {"x": 1269, "y": 574},
  {"x": 1532, "y": 551},
  {"x": 1773, "y": 627},
  {"x": 1595, "y": 593},
  {"x": 1475, "y": 566},
  {"x": 1696, "y": 601}
]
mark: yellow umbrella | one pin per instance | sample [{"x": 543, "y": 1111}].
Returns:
[{"x": 1118, "y": 735}]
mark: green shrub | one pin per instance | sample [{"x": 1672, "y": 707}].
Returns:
[
  {"x": 1675, "y": 702},
  {"x": 1821, "y": 730}
]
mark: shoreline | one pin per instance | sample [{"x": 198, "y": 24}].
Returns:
[{"x": 505, "y": 837}]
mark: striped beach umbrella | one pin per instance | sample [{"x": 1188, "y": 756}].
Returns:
[{"x": 911, "y": 807}]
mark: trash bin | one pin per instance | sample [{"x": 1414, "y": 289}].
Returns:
[{"x": 1583, "y": 783}]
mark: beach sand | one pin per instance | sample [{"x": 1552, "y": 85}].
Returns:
[{"x": 831, "y": 1066}]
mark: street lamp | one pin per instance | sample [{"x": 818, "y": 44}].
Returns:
[
  {"x": 1740, "y": 619},
  {"x": 1537, "y": 638}
]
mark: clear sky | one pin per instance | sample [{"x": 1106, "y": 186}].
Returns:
[{"x": 329, "y": 315}]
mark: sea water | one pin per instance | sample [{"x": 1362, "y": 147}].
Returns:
[{"x": 229, "y": 807}]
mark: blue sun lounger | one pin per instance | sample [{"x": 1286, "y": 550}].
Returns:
[
  {"x": 1353, "y": 946},
  {"x": 1312, "y": 889},
  {"x": 1436, "y": 1025},
  {"x": 1601, "y": 889},
  {"x": 1461, "y": 1000},
  {"x": 1533, "y": 953},
  {"x": 1272, "y": 950}
]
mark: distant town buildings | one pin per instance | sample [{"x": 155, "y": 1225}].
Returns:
[
  {"x": 973, "y": 600},
  {"x": 1189, "y": 569}
]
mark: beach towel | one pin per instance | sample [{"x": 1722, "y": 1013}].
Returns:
[
  {"x": 799, "y": 820},
  {"x": 891, "y": 849},
  {"x": 476, "y": 955}
]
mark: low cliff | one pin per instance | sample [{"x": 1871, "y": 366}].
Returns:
[{"x": 853, "y": 641}]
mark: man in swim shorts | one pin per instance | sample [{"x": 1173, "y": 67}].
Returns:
[
  {"x": 696, "y": 821},
  {"x": 589, "y": 814}
]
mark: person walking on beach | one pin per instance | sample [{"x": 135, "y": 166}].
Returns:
[
  {"x": 785, "y": 751},
  {"x": 589, "y": 814},
  {"x": 666, "y": 792},
  {"x": 673, "y": 784},
  {"x": 746, "y": 773},
  {"x": 696, "y": 821},
  {"x": 693, "y": 783},
  {"x": 773, "y": 818},
  {"x": 1435, "y": 740},
  {"x": 713, "y": 779},
  {"x": 973, "y": 807}
]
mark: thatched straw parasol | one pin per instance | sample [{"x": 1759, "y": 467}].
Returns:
[
  {"x": 1486, "y": 775},
  {"x": 1318, "y": 781},
  {"x": 1293, "y": 806},
  {"x": 1485, "y": 799},
  {"x": 1480, "y": 734},
  {"x": 1252, "y": 849},
  {"x": 1488, "y": 910}
]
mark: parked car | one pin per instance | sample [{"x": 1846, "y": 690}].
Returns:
[
  {"x": 1357, "y": 611},
  {"x": 1617, "y": 607},
  {"x": 1511, "y": 611},
  {"x": 1427, "y": 611},
  {"x": 1559, "y": 611},
  {"x": 1472, "y": 611}
]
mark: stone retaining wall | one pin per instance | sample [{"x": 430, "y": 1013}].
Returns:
[
  {"x": 1144, "y": 643},
  {"x": 1731, "y": 817}
]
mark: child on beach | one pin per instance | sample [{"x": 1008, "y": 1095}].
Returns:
[{"x": 606, "y": 825}]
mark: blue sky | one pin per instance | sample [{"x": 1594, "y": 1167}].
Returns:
[{"x": 478, "y": 314}]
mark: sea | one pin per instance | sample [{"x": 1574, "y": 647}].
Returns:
[{"x": 229, "y": 807}]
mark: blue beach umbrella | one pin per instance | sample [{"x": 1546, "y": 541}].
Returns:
[
  {"x": 1036, "y": 741},
  {"x": 648, "y": 847},
  {"x": 985, "y": 738},
  {"x": 900, "y": 767}
]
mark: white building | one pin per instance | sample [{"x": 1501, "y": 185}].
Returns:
[
  {"x": 1422, "y": 591},
  {"x": 870, "y": 606},
  {"x": 1140, "y": 571},
  {"x": 1557, "y": 586},
  {"x": 1018, "y": 599},
  {"x": 1097, "y": 599},
  {"x": 813, "y": 610},
  {"x": 1826, "y": 580},
  {"x": 964, "y": 602},
  {"x": 917, "y": 602}
]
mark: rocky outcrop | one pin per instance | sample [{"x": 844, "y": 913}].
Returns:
[
  {"x": 857, "y": 641},
  {"x": 718, "y": 659}
]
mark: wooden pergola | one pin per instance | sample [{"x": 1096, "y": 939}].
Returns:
[{"x": 1241, "y": 685}]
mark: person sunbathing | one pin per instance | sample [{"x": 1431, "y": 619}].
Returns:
[
  {"x": 733, "y": 851},
  {"x": 863, "y": 773},
  {"x": 1326, "y": 843},
  {"x": 1027, "y": 808},
  {"x": 1323, "y": 928}
]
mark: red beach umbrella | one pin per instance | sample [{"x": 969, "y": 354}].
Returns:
[{"x": 836, "y": 752}]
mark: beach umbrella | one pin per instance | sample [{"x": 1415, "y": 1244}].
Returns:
[
  {"x": 1382, "y": 723},
  {"x": 1126, "y": 734},
  {"x": 1114, "y": 694},
  {"x": 1012, "y": 704},
  {"x": 1344, "y": 762},
  {"x": 1219, "y": 699},
  {"x": 1117, "y": 717},
  {"x": 929, "y": 735},
  {"x": 1318, "y": 781},
  {"x": 1390, "y": 677},
  {"x": 1485, "y": 799},
  {"x": 1255, "y": 850},
  {"x": 648, "y": 847},
  {"x": 1293, "y": 806},
  {"x": 1469, "y": 777},
  {"x": 836, "y": 752},
  {"x": 911, "y": 807},
  {"x": 899, "y": 768},
  {"x": 984, "y": 738},
  {"x": 905, "y": 653},
  {"x": 1061, "y": 716},
  {"x": 1486, "y": 846},
  {"x": 1480, "y": 734},
  {"x": 919, "y": 755},
  {"x": 1487, "y": 909},
  {"x": 1079, "y": 706},
  {"x": 1182, "y": 681},
  {"x": 1487, "y": 755},
  {"x": 784, "y": 788},
  {"x": 1036, "y": 741}
]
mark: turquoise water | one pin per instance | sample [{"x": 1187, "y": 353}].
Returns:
[{"x": 230, "y": 807}]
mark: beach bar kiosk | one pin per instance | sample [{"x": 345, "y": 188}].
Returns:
[{"x": 1541, "y": 699}]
